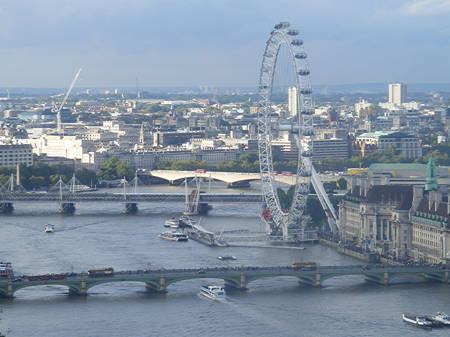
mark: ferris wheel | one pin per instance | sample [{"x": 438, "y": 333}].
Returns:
[{"x": 288, "y": 225}]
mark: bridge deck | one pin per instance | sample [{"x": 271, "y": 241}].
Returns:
[
  {"x": 237, "y": 277},
  {"x": 128, "y": 197}
]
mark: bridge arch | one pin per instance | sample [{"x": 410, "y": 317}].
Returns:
[
  {"x": 230, "y": 178},
  {"x": 3, "y": 293},
  {"x": 225, "y": 181},
  {"x": 228, "y": 280},
  {"x": 419, "y": 275},
  {"x": 92, "y": 284},
  {"x": 252, "y": 279},
  {"x": 16, "y": 288},
  {"x": 356, "y": 277}
]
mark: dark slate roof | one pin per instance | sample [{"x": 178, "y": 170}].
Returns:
[
  {"x": 439, "y": 216},
  {"x": 356, "y": 191},
  {"x": 424, "y": 207},
  {"x": 393, "y": 193},
  {"x": 400, "y": 194}
]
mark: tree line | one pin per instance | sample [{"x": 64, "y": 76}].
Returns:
[
  {"x": 249, "y": 162},
  {"x": 41, "y": 175}
]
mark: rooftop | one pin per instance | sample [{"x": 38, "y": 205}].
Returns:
[
  {"x": 384, "y": 134},
  {"x": 399, "y": 194}
]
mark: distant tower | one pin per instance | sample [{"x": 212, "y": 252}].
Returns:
[
  {"x": 17, "y": 174},
  {"x": 292, "y": 101},
  {"x": 397, "y": 93},
  {"x": 431, "y": 181},
  {"x": 141, "y": 136},
  {"x": 138, "y": 91}
]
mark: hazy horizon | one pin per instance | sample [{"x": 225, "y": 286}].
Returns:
[{"x": 218, "y": 43}]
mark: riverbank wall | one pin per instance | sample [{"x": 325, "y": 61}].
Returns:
[{"x": 363, "y": 256}]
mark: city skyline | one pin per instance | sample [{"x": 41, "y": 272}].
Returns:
[{"x": 218, "y": 44}]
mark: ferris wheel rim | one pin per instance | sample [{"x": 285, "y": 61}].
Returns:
[{"x": 283, "y": 35}]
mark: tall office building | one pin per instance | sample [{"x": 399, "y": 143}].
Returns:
[
  {"x": 397, "y": 93},
  {"x": 292, "y": 101}
]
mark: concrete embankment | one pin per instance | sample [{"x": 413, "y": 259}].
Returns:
[
  {"x": 346, "y": 251},
  {"x": 366, "y": 257},
  {"x": 242, "y": 245}
]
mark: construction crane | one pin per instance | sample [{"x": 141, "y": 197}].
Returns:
[{"x": 58, "y": 112}]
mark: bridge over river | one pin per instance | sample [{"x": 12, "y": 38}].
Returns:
[
  {"x": 67, "y": 200},
  {"x": 238, "y": 278},
  {"x": 232, "y": 179}
]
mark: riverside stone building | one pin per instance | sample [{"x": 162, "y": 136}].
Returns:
[
  {"x": 374, "y": 216},
  {"x": 399, "y": 220}
]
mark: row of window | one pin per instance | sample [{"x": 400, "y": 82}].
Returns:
[
  {"x": 19, "y": 151},
  {"x": 429, "y": 243}
]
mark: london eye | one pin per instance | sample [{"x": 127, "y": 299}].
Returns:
[{"x": 288, "y": 225}]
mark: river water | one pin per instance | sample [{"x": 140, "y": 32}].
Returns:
[{"x": 100, "y": 235}]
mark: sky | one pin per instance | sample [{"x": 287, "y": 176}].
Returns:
[{"x": 218, "y": 42}]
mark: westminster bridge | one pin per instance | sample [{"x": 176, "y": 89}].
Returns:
[{"x": 237, "y": 278}]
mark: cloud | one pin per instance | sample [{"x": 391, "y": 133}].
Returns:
[
  {"x": 427, "y": 7},
  {"x": 220, "y": 42}
]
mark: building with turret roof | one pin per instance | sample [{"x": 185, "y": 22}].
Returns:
[{"x": 397, "y": 218}]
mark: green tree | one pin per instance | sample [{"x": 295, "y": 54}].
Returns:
[
  {"x": 3, "y": 178},
  {"x": 87, "y": 177},
  {"x": 113, "y": 168},
  {"x": 54, "y": 178},
  {"x": 315, "y": 211},
  {"x": 124, "y": 169},
  {"x": 37, "y": 182}
]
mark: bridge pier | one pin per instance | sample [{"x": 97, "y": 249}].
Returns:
[
  {"x": 131, "y": 208},
  {"x": 239, "y": 184},
  {"x": 67, "y": 208},
  {"x": 203, "y": 208},
  {"x": 81, "y": 290},
  {"x": 239, "y": 284},
  {"x": 314, "y": 281},
  {"x": 382, "y": 279},
  {"x": 441, "y": 277},
  {"x": 157, "y": 287},
  {"x": 6, "y": 207},
  {"x": 7, "y": 290}
]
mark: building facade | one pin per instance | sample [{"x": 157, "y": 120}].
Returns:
[
  {"x": 375, "y": 217},
  {"x": 292, "y": 101},
  {"x": 403, "y": 221},
  {"x": 14, "y": 154},
  {"x": 330, "y": 148},
  {"x": 397, "y": 93},
  {"x": 402, "y": 143}
]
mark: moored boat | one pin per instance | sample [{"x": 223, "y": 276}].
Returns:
[
  {"x": 173, "y": 236},
  {"x": 172, "y": 222},
  {"x": 49, "y": 228},
  {"x": 419, "y": 321},
  {"x": 441, "y": 318},
  {"x": 227, "y": 258},
  {"x": 213, "y": 292},
  {"x": 199, "y": 234}
]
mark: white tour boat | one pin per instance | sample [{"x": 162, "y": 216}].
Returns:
[
  {"x": 49, "y": 228},
  {"x": 227, "y": 258},
  {"x": 419, "y": 321},
  {"x": 213, "y": 292},
  {"x": 173, "y": 236},
  {"x": 441, "y": 318},
  {"x": 173, "y": 222}
]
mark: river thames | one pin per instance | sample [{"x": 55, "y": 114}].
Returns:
[{"x": 100, "y": 235}]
